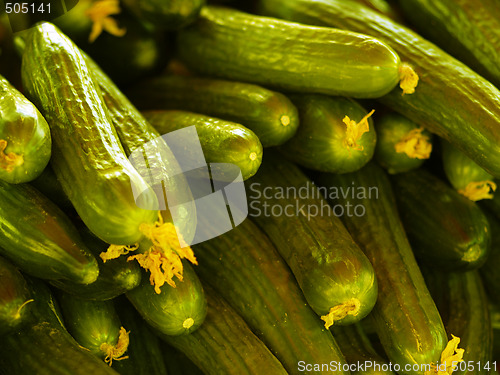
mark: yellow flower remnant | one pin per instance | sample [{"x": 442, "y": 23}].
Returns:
[
  {"x": 477, "y": 190},
  {"x": 100, "y": 13},
  {"x": 114, "y": 251},
  {"x": 450, "y": 357},
  {"x": 338, "y": 312},
  {"x": 354, "y": 131},
  {"x": 11, "y": 160},
  {"x": 116, "y": 352},
  {"x": 408, "y": 79},
  {"x": 415, "y": 145}
]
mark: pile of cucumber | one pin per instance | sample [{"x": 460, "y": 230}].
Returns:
[{"x": 367, "y": 133}]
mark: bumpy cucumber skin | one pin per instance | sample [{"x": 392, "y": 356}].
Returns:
[
  {"x": 14, "y": 296},
  {"x": 43, "y": 346},
  {"x": 450, "y": 100},
  {"x": 330, "y": 269},
  {"x": 40, "y": 239},
  {"x": 319, "y": 142},
  {"x": 246, "y": 270},
  {"x": 26, "y": 132},
  {"x": 243, "y": 47},
  {"x": 86, "y": 148},
  {"x": 222, "y": 141},
  {"x": 269, "y": 114},
  {"x": 224, "y": 344},
  {"x": 446, "y": 229},
  {"x": 465, "y": 29},
  {"x": 168, "y": 311},
  {"x": 405, "y": 316}
]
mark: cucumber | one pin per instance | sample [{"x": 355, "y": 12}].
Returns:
[
  {"x": 115, "y": 277},
  {"x": 170, "y": 15},
  {"x": 176, "y": 310},
  {"x": 246, "y": 270},
  {"x": 86, "y": 152},
  {"x": 15, "y": 298},
  {"x": 25, "y": 143},
  {"x": 446, "y": 229},
  {"x": 178, "y": 363},
  {"x": 405, "y": 316},
  {"x": 467, "y": 30},
  {"x": 221, "y": 141},
  {"x": 269, "y": 114},
  {"x": 467, "y": 177},
  {"x": 335, "y": 276},
  {"x": 48, "y": 185},
  {"x": 231, "y": 44},
  {"x": 489, "y": 271},
  {"x": 335, "y": 134},
  {"x": 462, "y": 303},
  {"x": 224, "y": 344},
  {"x": 387, "y": 8},
  {"x": 450, "y": 100},
  {"x": 43, "y": 346},
  {"x": 96, "y": 326},
  {"x": 402, "y": 145},
  {"x": 40, "y": 239}
]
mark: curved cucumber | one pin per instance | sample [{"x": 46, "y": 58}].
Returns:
[
  {"x": 243, "y": 47},
  {"x": 335, "y": 276},
  {"x": 335, "y": 134},
  {"x": 269, "y": 114},
  {"x": 25, "y": 143}
]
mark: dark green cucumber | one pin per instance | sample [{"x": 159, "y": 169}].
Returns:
[
  {"x": 221, "y": 141},
  {"x": 243, "y": 47},
  {"x": 450, "y": 100},
  {"x": 405, "y": 316},
  {"x": 48, "y": 185},
  {"x": 401, "y": 144},
  {"x": 95, "y": 325},
  {"x": 15, "y": 298},
  {"x": 356, "y": 346},
  {"x": 331, "y": 270},
  {"x": 176, "y": 310},
  {"x": 178, "y": 363},
  {"x": 86, "y": 149},
  {"x": 116, "y": 276},
  {"x": 445, "y": 229},
  {"x": 171, "y": 15},
  {"x": 489, "y": 271},
  {"x": 269, "y": 114},
  {"x": 224, "y": 344},
  {"x": 463, "y": 305},
  {"x": 465, "y": 175},
  {"x": 465, "y": 29},
  {"x": 40, "y": 239},
  {"x": 246, "y": 270},
  {"x": 334, "y": 134},
  {"x": 44, "y": 347},
  {"x": 24, "y": 137}
]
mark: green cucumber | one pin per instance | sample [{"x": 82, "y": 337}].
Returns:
[
  {"x": 221, "y": 141},
  {"x": 462, "y": 303},
  {"x": 224, "y": 344},
  {"x": 96, "y": 326},
  {"x": 246, "y": 270},
  {"x": 175, "y": 311},
  {"x": 15, "y": 298},
  {"x": 43, "y": 346},
  {"x": 405, "y": 316},
  {"x": 25, "y": 143},
  {"x": 385, "y": 7},
  {"x": 445, "y": 229},
  {"x": 335, "y": 134},
  {"x": 489, "y": 271},
  {"x": 48, "y": 185},
  {"x": 40, "y": 239},
  {"x": 401, "y": 145},
  {"x": 335, "y": 276},
  {"x": 116, "y": 276},
  {"x": 269, "y": 114},
  {"x": 450, "y": 100},
  {"x": 243, "y": 47},
  {"x": 178, "y": 363},
  {"x": 467, "y": 177},
  {"x": 86, "y": 148},
  {"x": 465, "y": 29},
  {"x": 170, "y": 15}
]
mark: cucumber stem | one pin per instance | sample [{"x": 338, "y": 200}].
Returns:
[
  {"x": 116, "y": 352},
  {"x": 415, "y": 145},
  {"x": 350, "y": 307},
  {"x": 354, "y": 131},
  {"x": 99, "y": 13},
  {"x": 11, "y": 160},
  {"x": 477, "y": 190},
  {"x": 408, "y": 79}
]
